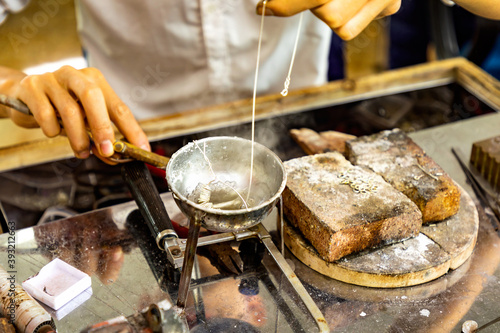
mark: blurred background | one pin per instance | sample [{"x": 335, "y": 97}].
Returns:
[{"x": 40, "y": 35}]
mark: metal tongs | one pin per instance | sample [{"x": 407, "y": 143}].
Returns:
[{"x": 124, "y": 151}]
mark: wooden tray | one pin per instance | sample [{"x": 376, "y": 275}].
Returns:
[
  {"x": 438, "y": 248},
  {"x": 411, "y": 78}
]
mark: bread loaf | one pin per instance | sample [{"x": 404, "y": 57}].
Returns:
[
  {"x": 342, "y": 209},
  {"x": 403, "y": 164}
]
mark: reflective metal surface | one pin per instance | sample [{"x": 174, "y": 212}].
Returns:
[{"x": 129, "y": 273}]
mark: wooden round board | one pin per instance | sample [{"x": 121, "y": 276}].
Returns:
[{"x": 438, "y": 248}]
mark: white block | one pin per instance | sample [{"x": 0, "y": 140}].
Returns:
[{"x": 57, "y": 283}]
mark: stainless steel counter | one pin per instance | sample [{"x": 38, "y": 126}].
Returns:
[{"x": 129, "y": 273}]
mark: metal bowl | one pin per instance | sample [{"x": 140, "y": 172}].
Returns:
[{"x": 225, "y": 162}]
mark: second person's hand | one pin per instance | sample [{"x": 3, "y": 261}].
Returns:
[
  {"x": 347, "y": 18},
  {"x": 81, "y": 99}
]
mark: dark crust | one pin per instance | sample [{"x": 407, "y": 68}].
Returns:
[{"x": 419, "y": 177}]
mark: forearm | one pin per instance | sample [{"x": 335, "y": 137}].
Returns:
[
  {"x": 9, "y": 83},
  {"x": 487, "y": 8}
]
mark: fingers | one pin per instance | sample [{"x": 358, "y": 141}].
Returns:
[
  {"x": 338, "y": 13},
  {"x": 80, "y": 99},
  {"x": 72, "y": 118},
  {"x": 110, "y": 264},
  {"x": 33, "y": 93},
  {"x": 391, "y": 9},
  {"x": 288, "y": 7},
  {"x": 346, "y": 17},
  {"x": 102, "y": 106},
  {"x": 119, "y": 113},
  {"x": 367, "y": 13},
  {"x": 93, "y": 102},
  {"x": 22, "y": 120}
]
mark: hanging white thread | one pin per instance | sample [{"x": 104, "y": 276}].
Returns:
[
  {"x": 286, "y": 84},
  {"x": 257, "y": 69},
  {"x": 284, "y": 92},
  {"x": 255, "y": 93}
]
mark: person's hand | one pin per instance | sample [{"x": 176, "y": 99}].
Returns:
[
  {"x": 347, "y": 18},
  {"x": 79, "y": 98}
]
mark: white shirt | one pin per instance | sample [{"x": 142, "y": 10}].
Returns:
[{"x": 165, "y": 56}]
